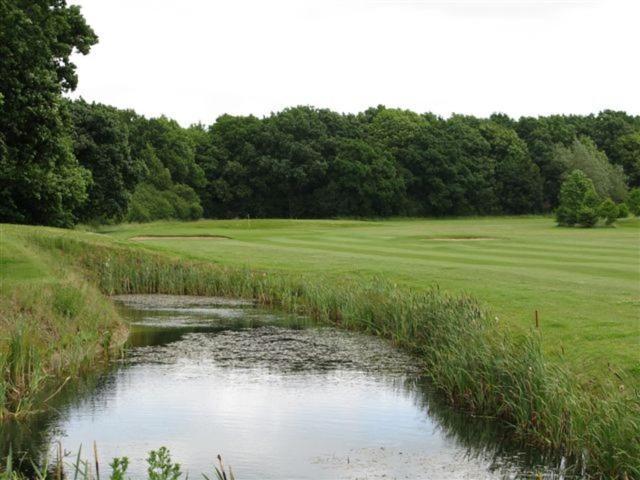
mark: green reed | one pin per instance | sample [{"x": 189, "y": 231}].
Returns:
[{"x": 160, "y": 466}]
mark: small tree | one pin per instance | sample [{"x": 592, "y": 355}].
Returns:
[
  {"x": 587, "y": 216},
  {"x": 623, "y": 210},
  {"x": 577, "y": 195},
  {"x": 633, "y": 201},
  {"x": 609, "y": 211}
]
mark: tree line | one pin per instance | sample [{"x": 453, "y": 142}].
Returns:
[{"x": 63, "y": 161}]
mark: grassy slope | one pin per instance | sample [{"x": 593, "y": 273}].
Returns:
[
  {"x": 584, "y": 283},
  {"x": 52, "y": 322}
]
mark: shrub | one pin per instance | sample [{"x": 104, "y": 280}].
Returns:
[
  {"x": 578, "y": 201},
  {"x": 151, "y": 203},
  {"x": 587, "y": 216},
  {"x": 623, "y": 210},
  {"x": 609, "y": 211}
]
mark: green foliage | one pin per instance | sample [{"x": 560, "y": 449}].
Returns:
[
  {"x": 627, "y": 151},
  {"x": 583, "y": 155},
  {"x": 161, "y": 467},
  {"x": 171, "y": 144},
  {"x": 518, "y": 180},
  {"x": 633, "y": 201},
  {"x": 119, "y": 467},
  {"x": 363, "y": 180},
  {"x": 101, "y": 145},
  {"x": 609, "y": 211},
  {"x": 148, "y": 203},
  {"x": 41, "y": 180},
  {"x": 587, "y": 216},
  {"x": 578, "y": 201},
  {"x": 623, "y": 210},
  {"x": 542, "y": 135}
]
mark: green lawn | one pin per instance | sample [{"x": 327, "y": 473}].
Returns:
[{"x": 585, "y": 283}]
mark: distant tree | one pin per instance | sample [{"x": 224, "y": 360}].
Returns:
[
  {"x": 583, "y": 155},
  {"x": 40, "y": 180},
  {"x": 627, "y": 151},
  {"x": 157, "y": 197},
  {"x": 578, "y": 200},
  {"x": 609, "y": 211},
  {"x": 229, "y": 192},
  {"x": 363, "y": 182},
  {"x": 172, "y": 145},
  {"x": 633, "y": 201},
  {"x": 518, "y": 183},
  {"x": 101, "y": 145},
  {"x": 541, "y": 136},
  {"x": 606, "y": 129},
  {"x": 471, "y": 160}
]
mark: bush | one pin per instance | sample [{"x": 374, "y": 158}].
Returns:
[
  {"x": 150, "y": 203},
  {"x": 587, "y": 216},
  {"x": 609, "y": 211},
  {"x": 623, "y": 210},
  {"x": 578, "y": 201}
]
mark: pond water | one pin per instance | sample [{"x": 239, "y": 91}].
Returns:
[{"x": 277, "y": 397}]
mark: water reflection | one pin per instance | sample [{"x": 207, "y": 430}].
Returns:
[{"x": 276, "y": 396}]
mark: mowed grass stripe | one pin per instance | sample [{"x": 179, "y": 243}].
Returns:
[
  {"x": 519, "y": 248},
  {"x": 343, "y": 262},
  {"x": 538, "y": 278},
  {"x": 460, "y": 257}
]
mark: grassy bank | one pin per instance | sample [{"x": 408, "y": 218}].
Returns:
[
  {"x": 53, "y": 324},
  {"x": 476, "y": 363}
]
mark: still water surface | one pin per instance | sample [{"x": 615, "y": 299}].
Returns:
[{"x": 278, "y": 398}]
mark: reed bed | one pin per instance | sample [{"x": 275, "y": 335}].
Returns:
[
  {"x": 160, "y": 466},
  {"x": 49, "y": 332},
  {"x": 473, "y": 361}
]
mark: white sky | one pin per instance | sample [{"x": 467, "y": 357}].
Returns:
[{"x": 194, "y": 60}]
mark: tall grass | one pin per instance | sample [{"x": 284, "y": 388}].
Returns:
[
  {"x": 475, "y": 363},
  {"x": 160, "y": 466},
  {"x": 50, "y": 331}
]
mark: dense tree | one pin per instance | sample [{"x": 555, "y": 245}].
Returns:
[
  {"x": 40, "y": 179},
  {"x": 172, "y": 145},
  {"x": 605, "y": 129},
  {"x": 362, "y": 179},
  {"x": 609, "y": 211},
  {"x": 582, "y": 154},
  {"x": 633, "y": 201},
  {"x": 158, "y": 197},
  {"x": 578, "y": 201},
  {"x": 101, "y": 145},
  {"x": 518, "y": 183},
  {"x": 542, "y": 135},
  {"x": 626, "y": 149}
]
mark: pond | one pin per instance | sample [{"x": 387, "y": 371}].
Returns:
[{"x": 276, "y": 396}]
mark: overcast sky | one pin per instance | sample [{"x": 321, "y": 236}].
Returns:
[{"x": 194, "y": 60}]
